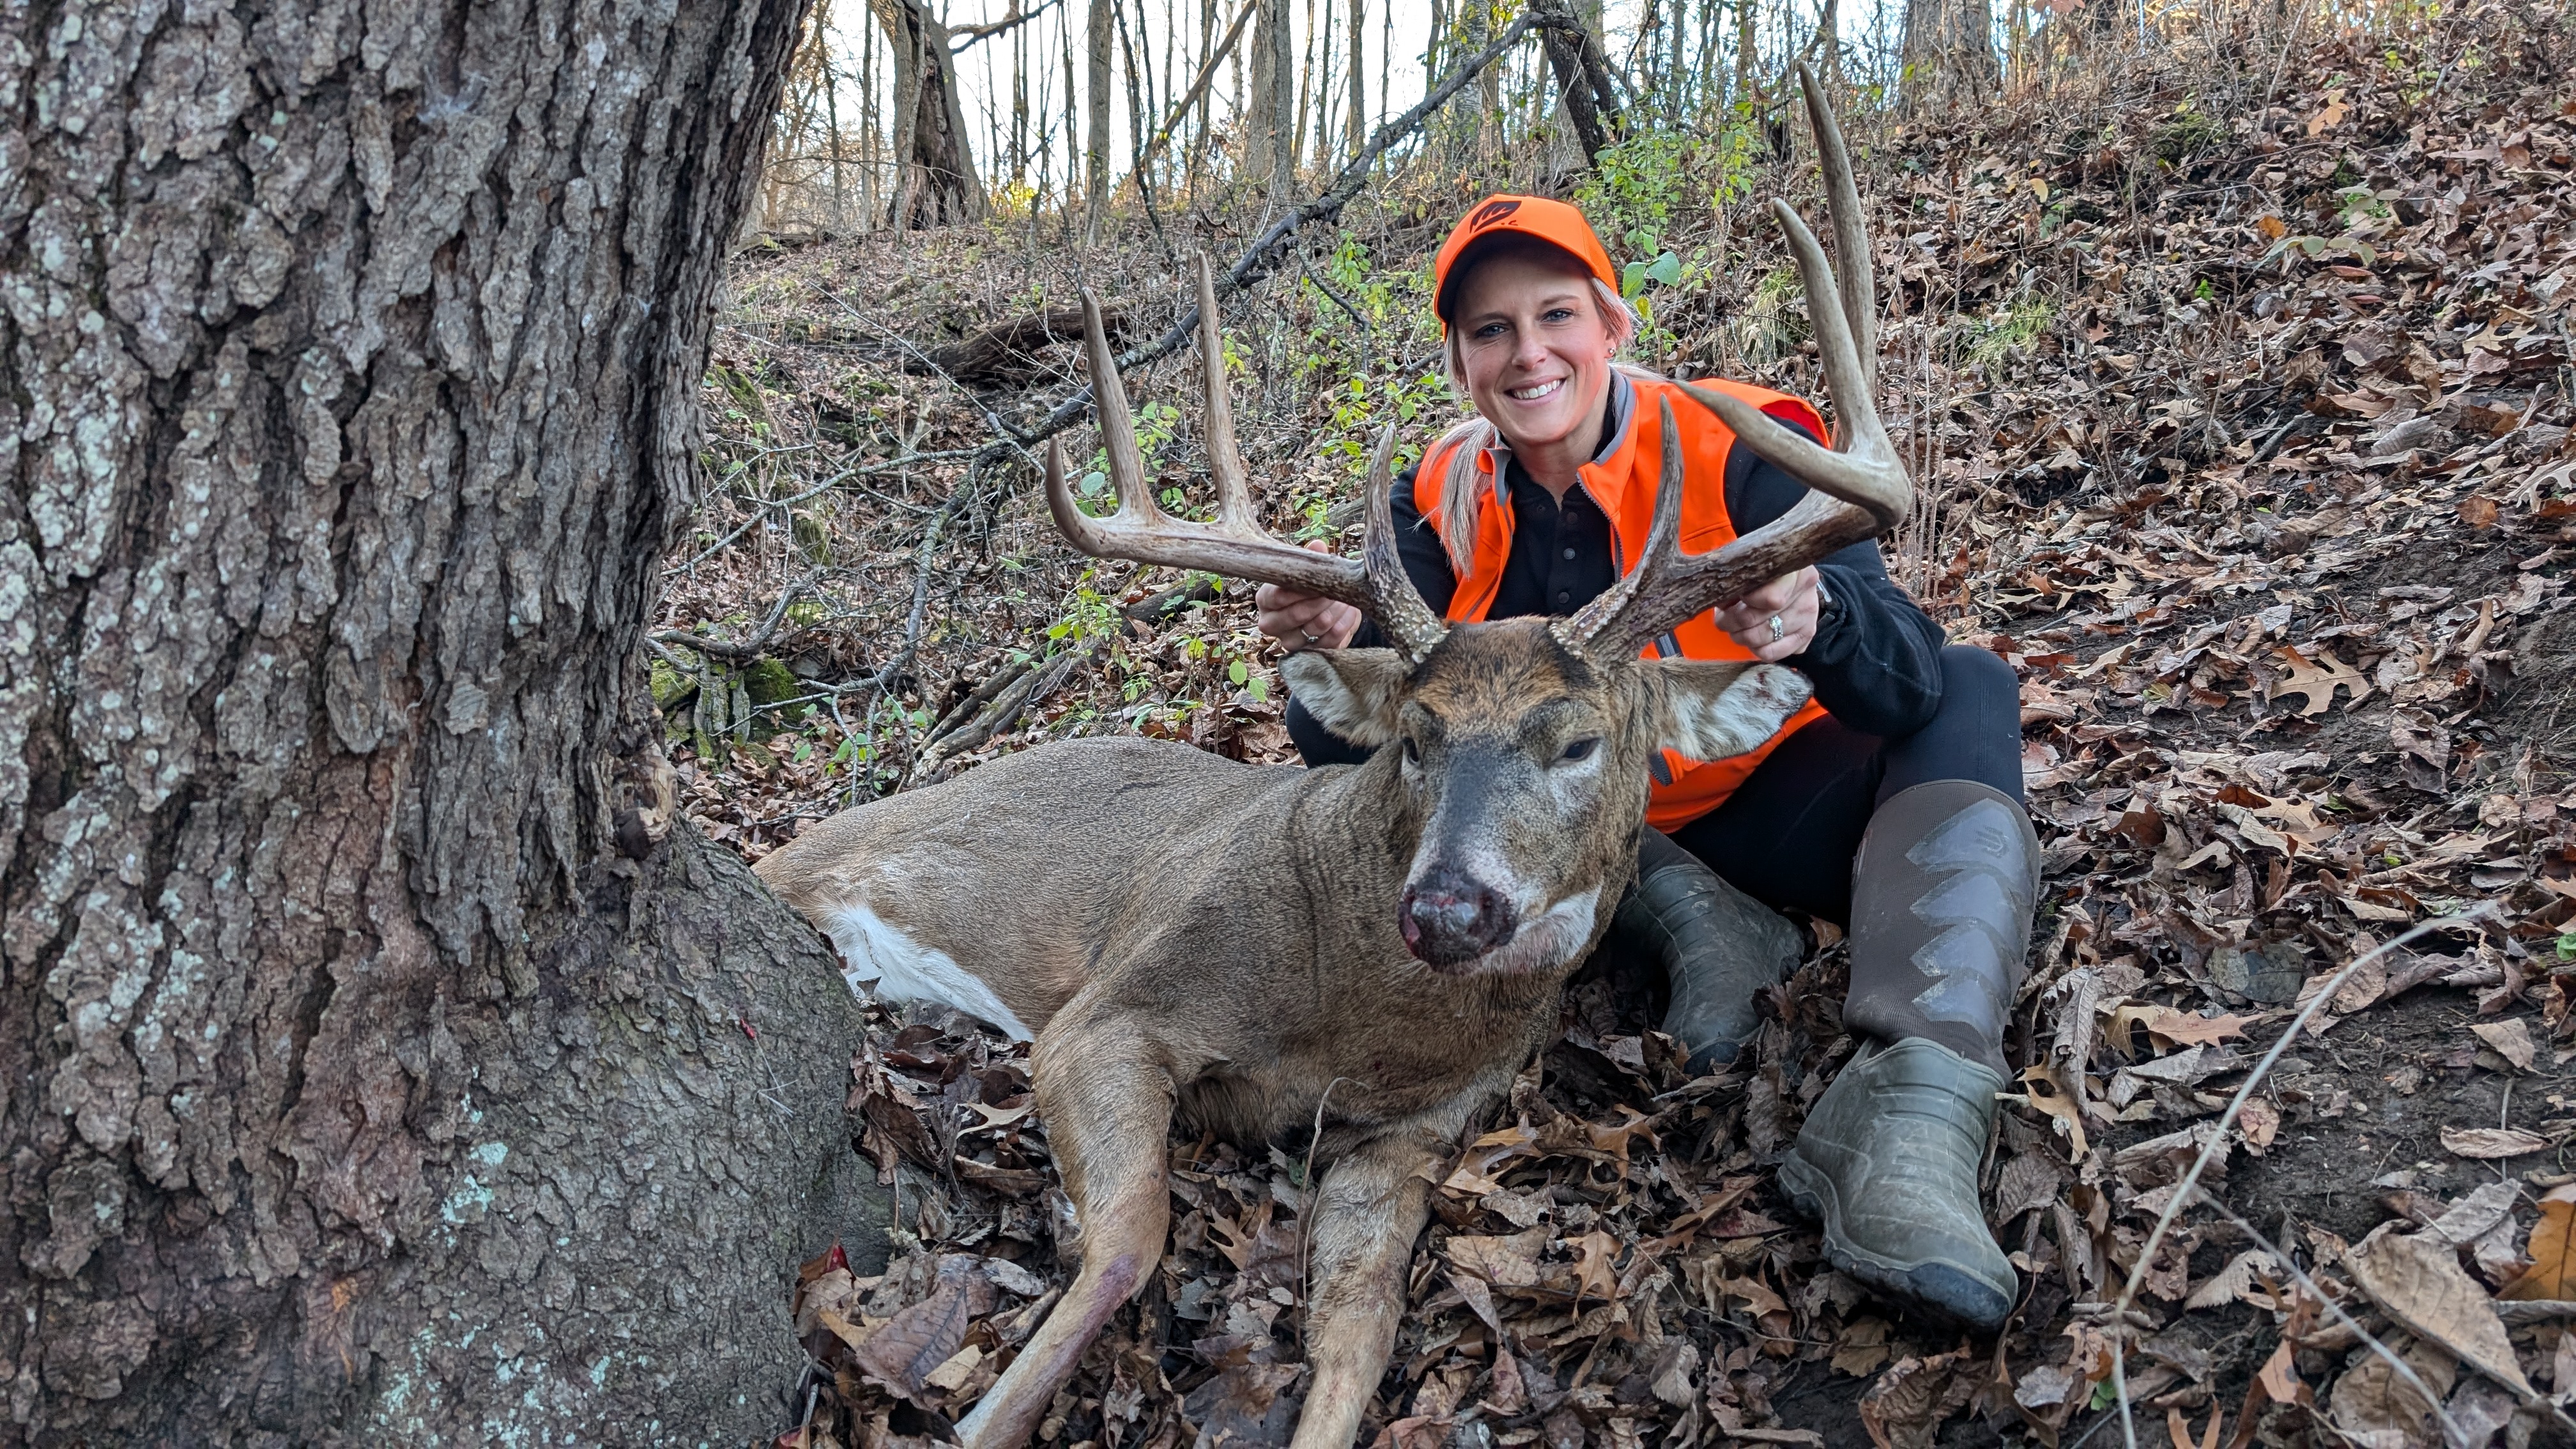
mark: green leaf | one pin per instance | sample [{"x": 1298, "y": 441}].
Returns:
[
  {"x": 2567, "y": 946},
  {"x": 1632, "y": 279},
  {"x": 1092, "y": 485},
  {"x": 1259, "y": 689},
  {"x": 1666, "y": 269},
  {"x": 1236, "y": 674}
]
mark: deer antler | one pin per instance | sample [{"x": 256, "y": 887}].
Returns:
[
  {"x": 1235, "y": 546},
  {"x": 1860, "y": 492}
]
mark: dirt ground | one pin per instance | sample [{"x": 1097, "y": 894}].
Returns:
[{"x": 2240, "y": 407}]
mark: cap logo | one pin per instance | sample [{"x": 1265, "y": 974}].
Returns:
[{"x": 1490, "y": 213}]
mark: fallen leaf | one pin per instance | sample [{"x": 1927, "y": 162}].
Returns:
[
  {"x": 2492, "y": 1142},
  {"x": 2233, "y": 1282},
  {"x": 2317, "y": 681},
  {"x": 2260, "y": 1122},
  {"x": 2418, "y": 1280},
  {"x": 2046, "y": 1090},
  {"x": 2373, "y": 1403},
  {"x": 2552, "y": 1274},
  {"x": 2182, "y": 1028},
  {"x": 1504, "y": 1262},
  {"x": 1863, "y": 1347},
  {"x": 2511, "y": 1040}
]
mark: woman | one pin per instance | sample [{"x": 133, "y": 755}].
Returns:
[{"x": 1892, "y": 804}]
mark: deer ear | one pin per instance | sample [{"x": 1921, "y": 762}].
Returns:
[
  {"x": 1353, "y": 692},
  {"x": 1714, "y": 708}
]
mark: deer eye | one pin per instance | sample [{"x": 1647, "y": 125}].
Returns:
[
  {"x": 1412, "y": 751},
  {"x": 1580, "y": 749}
]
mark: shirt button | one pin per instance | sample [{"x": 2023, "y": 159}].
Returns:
[
  {"x": 1564, "y": 596},
  {"x": 1569, "y": 555}
]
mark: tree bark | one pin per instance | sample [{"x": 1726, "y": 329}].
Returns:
[
  {"x": 1271, "y": 140},
  {"x": 936, "y": 183},
  {"x": 1949, "y": 52},
  {"x": 1095, "y": 143},
  {"x": 1583, "y": 88},
  {"x": 357, "y": 1086}
]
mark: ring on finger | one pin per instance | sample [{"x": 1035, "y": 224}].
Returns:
[{"x": 1779, "y": 631}]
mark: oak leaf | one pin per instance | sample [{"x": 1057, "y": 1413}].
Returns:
[{"x": 2316, "y": 681}]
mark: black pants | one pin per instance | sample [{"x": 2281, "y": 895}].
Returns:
[{"x": 1787, "y": 836}]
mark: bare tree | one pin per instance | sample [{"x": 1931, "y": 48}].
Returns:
[
  {"x": 936, "y": 185},
  {"x": 379, "y": 1061},
  {"x": 1357, "y": 129}
]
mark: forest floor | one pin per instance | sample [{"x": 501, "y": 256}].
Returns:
[{"x": 2240, "y": 399}]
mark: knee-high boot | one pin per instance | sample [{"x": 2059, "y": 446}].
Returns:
[
  {"x": 1719, "y": 948},
  {"x": 1942, "y": 895}
]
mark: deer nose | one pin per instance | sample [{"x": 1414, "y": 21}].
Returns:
[{"x": 1450, "y": 918}]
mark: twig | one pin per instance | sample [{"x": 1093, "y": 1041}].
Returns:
[
  {"x": 2308, "y": 1286},
  {"x": 2227, "y": 1120},
  {"x": 1007, "y": 23},
  {"x": 746, "y": 649},
  {"x": 1368, "y": 334}
]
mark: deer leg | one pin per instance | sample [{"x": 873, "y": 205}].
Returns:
[
  {"x": 1107, "y": 1108},
  {"x": 1370, "y": 1208}
]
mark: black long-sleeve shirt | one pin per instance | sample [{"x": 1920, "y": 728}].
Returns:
[{"x": 1875, "y": 661}]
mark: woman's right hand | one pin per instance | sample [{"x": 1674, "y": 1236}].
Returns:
[{"x": 1304, "y": 621}]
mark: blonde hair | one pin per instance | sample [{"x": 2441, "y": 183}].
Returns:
[{"x": 1460, "y": 493}]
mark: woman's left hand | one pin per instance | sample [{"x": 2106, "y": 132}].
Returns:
[{"x": 1775, "y": 620}]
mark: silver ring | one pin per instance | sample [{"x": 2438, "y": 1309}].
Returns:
[
  {"x": 1778, "y": 630},
  {"x": 1312, "y": 639}
]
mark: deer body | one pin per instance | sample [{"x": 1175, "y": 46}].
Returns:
[
  {"x": 1374, "y": 948},
  {"x": 1249, "y": 996}
]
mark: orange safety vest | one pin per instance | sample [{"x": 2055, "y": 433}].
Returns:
[{"x": 1622, "y": 484}]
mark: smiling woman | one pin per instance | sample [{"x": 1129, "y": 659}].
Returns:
[{"x": 1890, "y": 802}]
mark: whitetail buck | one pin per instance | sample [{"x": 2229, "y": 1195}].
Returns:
[{"x": 1375, "y": 947}]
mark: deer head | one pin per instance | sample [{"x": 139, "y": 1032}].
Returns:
[{"x": 1518, "y": 751}]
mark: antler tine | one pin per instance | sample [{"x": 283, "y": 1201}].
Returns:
[
  {"x": 1860, "y": 491},
  {"x": 1402, "y": 616},
  {"x": 1234, "y": 547},
  {"x": 1853, "y": 266},
  {"x": 1233, "y": 488},
  {"x": 1591, "y": 623}
]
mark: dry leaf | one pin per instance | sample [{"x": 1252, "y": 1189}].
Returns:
[
  {"x": 2232, "y": 1282},
  {"x": 1506, "y": 1262},
  {"x": 2552, "y": 1274},
  {"x": 2492, "y": 1142},
  {"x": 2260, "y": 1122},
  {"x": 2511, "y": 1040},
  {"x": 2046, "y": 1090},
  {"x": 2418, "y": 1280},
  {"x": 2372, "y": 1402},
  {"x": 2317, "y": 679}
]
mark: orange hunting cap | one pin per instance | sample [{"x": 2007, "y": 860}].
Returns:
[{"x": 1535, "y": 217}]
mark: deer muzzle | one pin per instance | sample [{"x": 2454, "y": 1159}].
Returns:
[{"x": 1449, "y": 918}]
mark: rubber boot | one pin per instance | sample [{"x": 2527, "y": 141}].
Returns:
[
  {"x": 1718, "y": 947},
  {"x": 1942, "y": 895}
]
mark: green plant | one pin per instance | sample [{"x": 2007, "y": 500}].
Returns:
[{"x": 2009, "y": 329}]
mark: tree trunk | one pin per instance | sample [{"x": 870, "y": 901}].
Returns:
[
  {"x": 1583, "y": 91},
  {"x": 936, "y": 184},
  {"x": 1949, "y": 53},
  {"x": 1271, "y": 137},
  {"x": 358, "y": 1087},
  {"x": 1095, "y": 144}
]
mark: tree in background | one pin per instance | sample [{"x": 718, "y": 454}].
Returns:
[
  {"x": 1949, "y": 53},
  {"x": 379, "y": 1061},
  {"x": 935, "y": 184}
]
